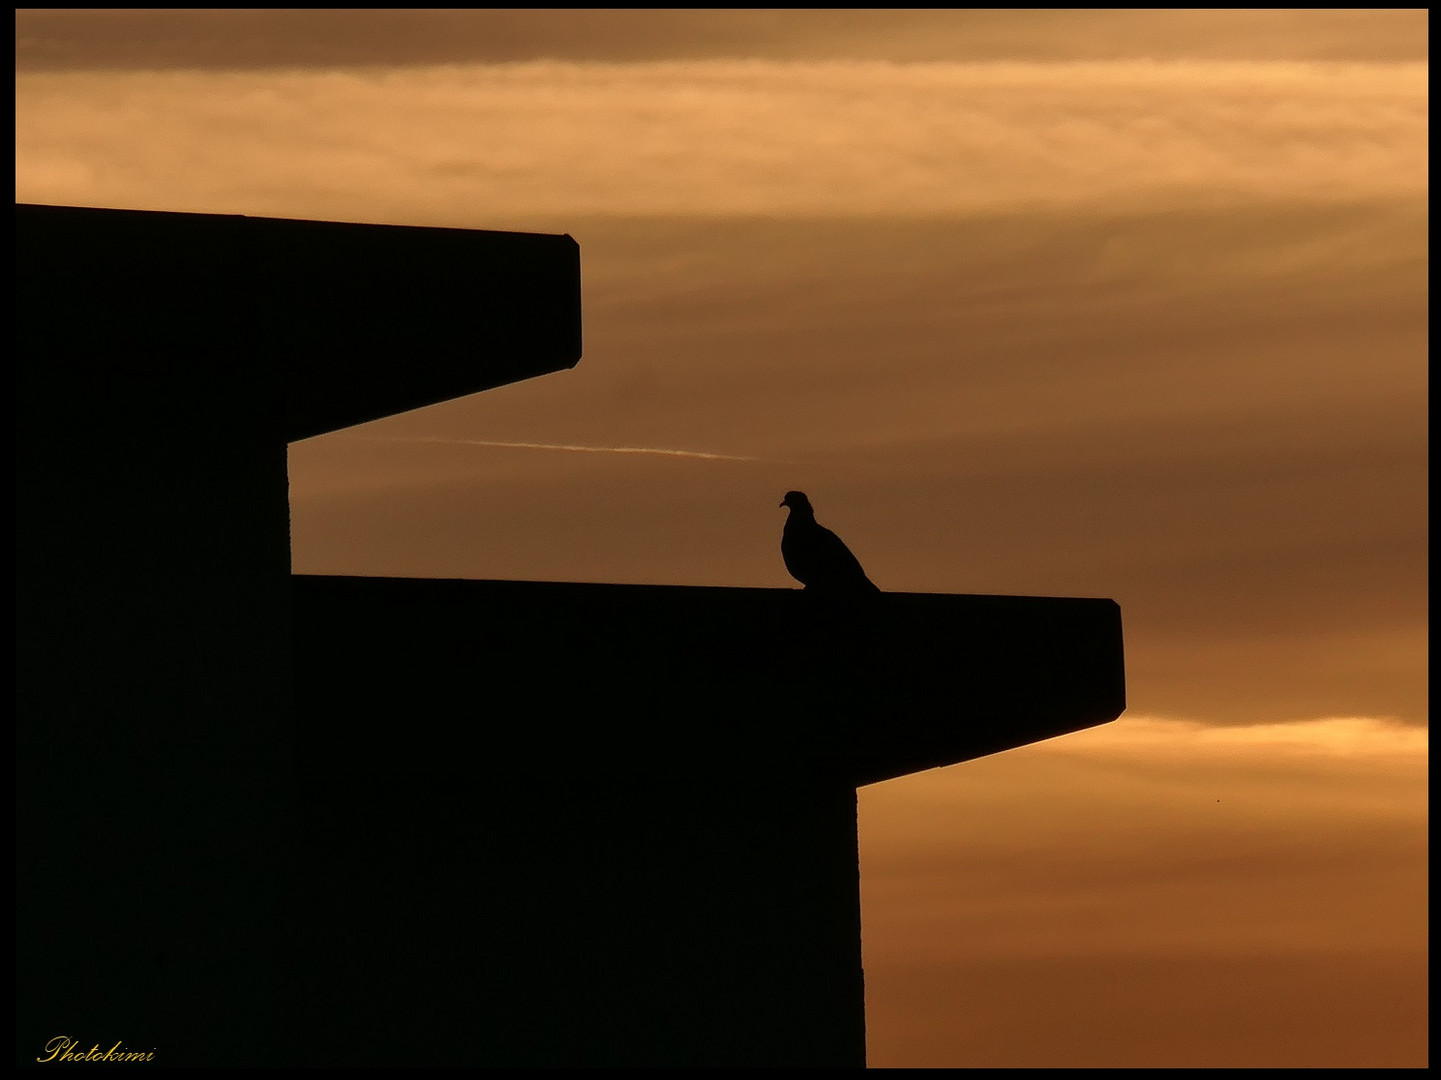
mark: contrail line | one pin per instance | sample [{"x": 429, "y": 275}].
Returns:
[{"x": 655, "y": 450}]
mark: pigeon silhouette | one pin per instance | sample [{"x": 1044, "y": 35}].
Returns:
[{"x": 817, "y": 557}]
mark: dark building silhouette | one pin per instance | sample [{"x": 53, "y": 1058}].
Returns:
[{"x": 277, "y": 820}]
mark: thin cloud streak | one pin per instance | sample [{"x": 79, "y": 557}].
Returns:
[
  {"x": 437, "y": 145},
  {"x": 655, "y": 450}
]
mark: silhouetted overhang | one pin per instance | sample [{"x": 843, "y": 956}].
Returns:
[
  {"x": 634, "y": 682},
  {"x": 361, "y": 321}
]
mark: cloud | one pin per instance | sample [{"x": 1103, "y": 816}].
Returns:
[
  {"x": 61, "y": 39},
  {"x": 470, "y": 145},
  {"x": 1345, "y": 776},
  {"x": 1359, "y": 741},
  {"x": 1186, "y": 879}
]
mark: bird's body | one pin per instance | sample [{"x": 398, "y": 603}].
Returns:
[{"x": 817, "y": 557}]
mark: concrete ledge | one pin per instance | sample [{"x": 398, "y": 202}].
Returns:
[
  {"x": 356, "y": 321},
  {"x": 639, "y": 678}
]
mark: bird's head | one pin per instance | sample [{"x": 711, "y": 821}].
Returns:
[{"x": 797, "y": 500}]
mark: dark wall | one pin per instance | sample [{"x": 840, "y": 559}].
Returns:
[
  {"x": 604, "y": 824},
  {"x": 555, "y": 824},
  {"x": 163, "y": 361},
  {"x": 152, "y": 655}
]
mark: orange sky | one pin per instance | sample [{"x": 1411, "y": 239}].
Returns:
[{"x": 1127, "y": 304}]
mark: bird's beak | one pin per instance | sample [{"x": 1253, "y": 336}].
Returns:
[{"x": 783, "y": 502}]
